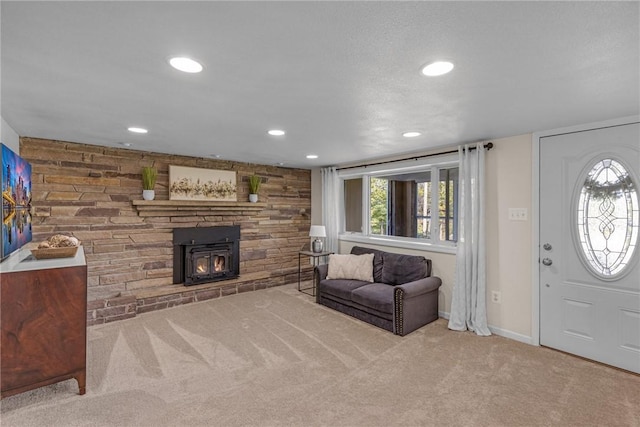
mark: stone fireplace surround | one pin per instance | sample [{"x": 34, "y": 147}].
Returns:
[{"x": 94, "y": 193}]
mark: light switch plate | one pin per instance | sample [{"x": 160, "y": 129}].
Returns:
[{"x": 518, "y": 214}]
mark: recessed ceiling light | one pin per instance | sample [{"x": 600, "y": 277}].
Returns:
[
  {"x": 135, "y": 129},
  {"x": 312, "y": 156},
  {"x": 276, "y": 132},
  {"x": 411, "y": 134},
  {"x": 187, "y": 65},
  {"x": 217, "y": 156},
  {"x": 280, "y": 163},
  {"x": 125, "y": 144},
  {"x": 437, "y": 68}
]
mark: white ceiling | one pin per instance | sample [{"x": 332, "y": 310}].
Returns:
[{"x": 342, "y": 78}]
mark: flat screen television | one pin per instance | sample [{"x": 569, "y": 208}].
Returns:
[{"x": 16, "y": 202}]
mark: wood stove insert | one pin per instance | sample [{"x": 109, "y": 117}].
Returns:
[{"x": 206, "y": 254}]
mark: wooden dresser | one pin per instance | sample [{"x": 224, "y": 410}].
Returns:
[{"x": 43, "y": 320}]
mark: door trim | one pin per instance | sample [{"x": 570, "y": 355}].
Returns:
[{"x": 535, "y": 203}]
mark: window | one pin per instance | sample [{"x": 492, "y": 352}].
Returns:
[
  {"x": 412, "y": 204},
  {"x": 448, "y": 204},
  {"x": 608, "y": 218},
  {"x": 353, "y": 205},
  {"x": 379, "y": 206}
]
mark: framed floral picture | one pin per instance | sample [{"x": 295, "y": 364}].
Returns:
[{"x": 186, "y": 183}]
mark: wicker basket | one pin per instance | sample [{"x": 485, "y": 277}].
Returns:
[{"x": 49, "y": 253}]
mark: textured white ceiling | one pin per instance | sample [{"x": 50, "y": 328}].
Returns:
[{"x": 342, "y": 78}]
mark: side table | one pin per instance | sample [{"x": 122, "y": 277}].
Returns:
[{"x": 315, "y": 257}]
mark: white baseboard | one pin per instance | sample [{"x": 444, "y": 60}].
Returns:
[
  {"x": 511, "y": 335},
  {"x": 500, "y": 332}
]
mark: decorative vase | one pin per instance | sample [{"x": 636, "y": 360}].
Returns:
[
  {"x": 253, "y": 198},
  {"x": 148, "y": 194}
]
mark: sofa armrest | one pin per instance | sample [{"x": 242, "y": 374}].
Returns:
[
  {"x": 419, "y": 287},
  {"x": 415, "y": 304},
  {"x": 319, "y": 273}
]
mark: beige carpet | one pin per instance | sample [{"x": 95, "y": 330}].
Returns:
[{"x": 274, "y": 357}]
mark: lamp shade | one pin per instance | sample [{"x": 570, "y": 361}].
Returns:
[{"x": 317, "y": 231}]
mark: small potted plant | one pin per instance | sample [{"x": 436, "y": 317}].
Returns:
[
  {"x": 149, "y": 176},
  {"x": 254, "y": 185}
]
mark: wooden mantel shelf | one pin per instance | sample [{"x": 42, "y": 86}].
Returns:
[{"x": 188, "y": 207}]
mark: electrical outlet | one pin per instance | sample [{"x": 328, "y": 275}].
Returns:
[
  {"x": 496, "y": 296},
  {"x": 518, "y": 214}
]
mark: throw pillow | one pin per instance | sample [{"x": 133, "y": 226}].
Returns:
[
  {"x": 377, "y": 260},
  {"x": 352, "y": 267}
]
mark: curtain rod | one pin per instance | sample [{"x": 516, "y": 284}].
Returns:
[{"x": 488, "y": 146}]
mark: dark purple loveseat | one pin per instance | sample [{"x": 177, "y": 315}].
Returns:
[{"x": 402, "y": 298}]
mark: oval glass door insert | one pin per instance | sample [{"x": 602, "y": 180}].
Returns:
[{"x": 608, "y": 218}]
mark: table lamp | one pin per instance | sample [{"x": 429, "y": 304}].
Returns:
[{"x": 317, "y": 231}]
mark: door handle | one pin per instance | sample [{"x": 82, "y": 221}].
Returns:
[
  {"x": 547, "y": 261},
  {"x": 546, "y": 247}
]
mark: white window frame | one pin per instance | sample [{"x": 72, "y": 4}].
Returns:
[{"x": 433, "y": 244}]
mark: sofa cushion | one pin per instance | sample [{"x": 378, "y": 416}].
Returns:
[
  {"x": 351, "y": 267},
  {"x": 398, "y": 269},
  {"x": 377, "y": 260},
  {"x": 378, "y": 296},
  {"x": 340, "y": 288}
]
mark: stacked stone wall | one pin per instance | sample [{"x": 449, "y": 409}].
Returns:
[{"x": 87, "y": 191}]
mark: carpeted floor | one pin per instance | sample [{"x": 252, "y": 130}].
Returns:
[{"x": 274, "y": 357}]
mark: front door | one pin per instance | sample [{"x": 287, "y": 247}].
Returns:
[{"x": 589, "y": 245}]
